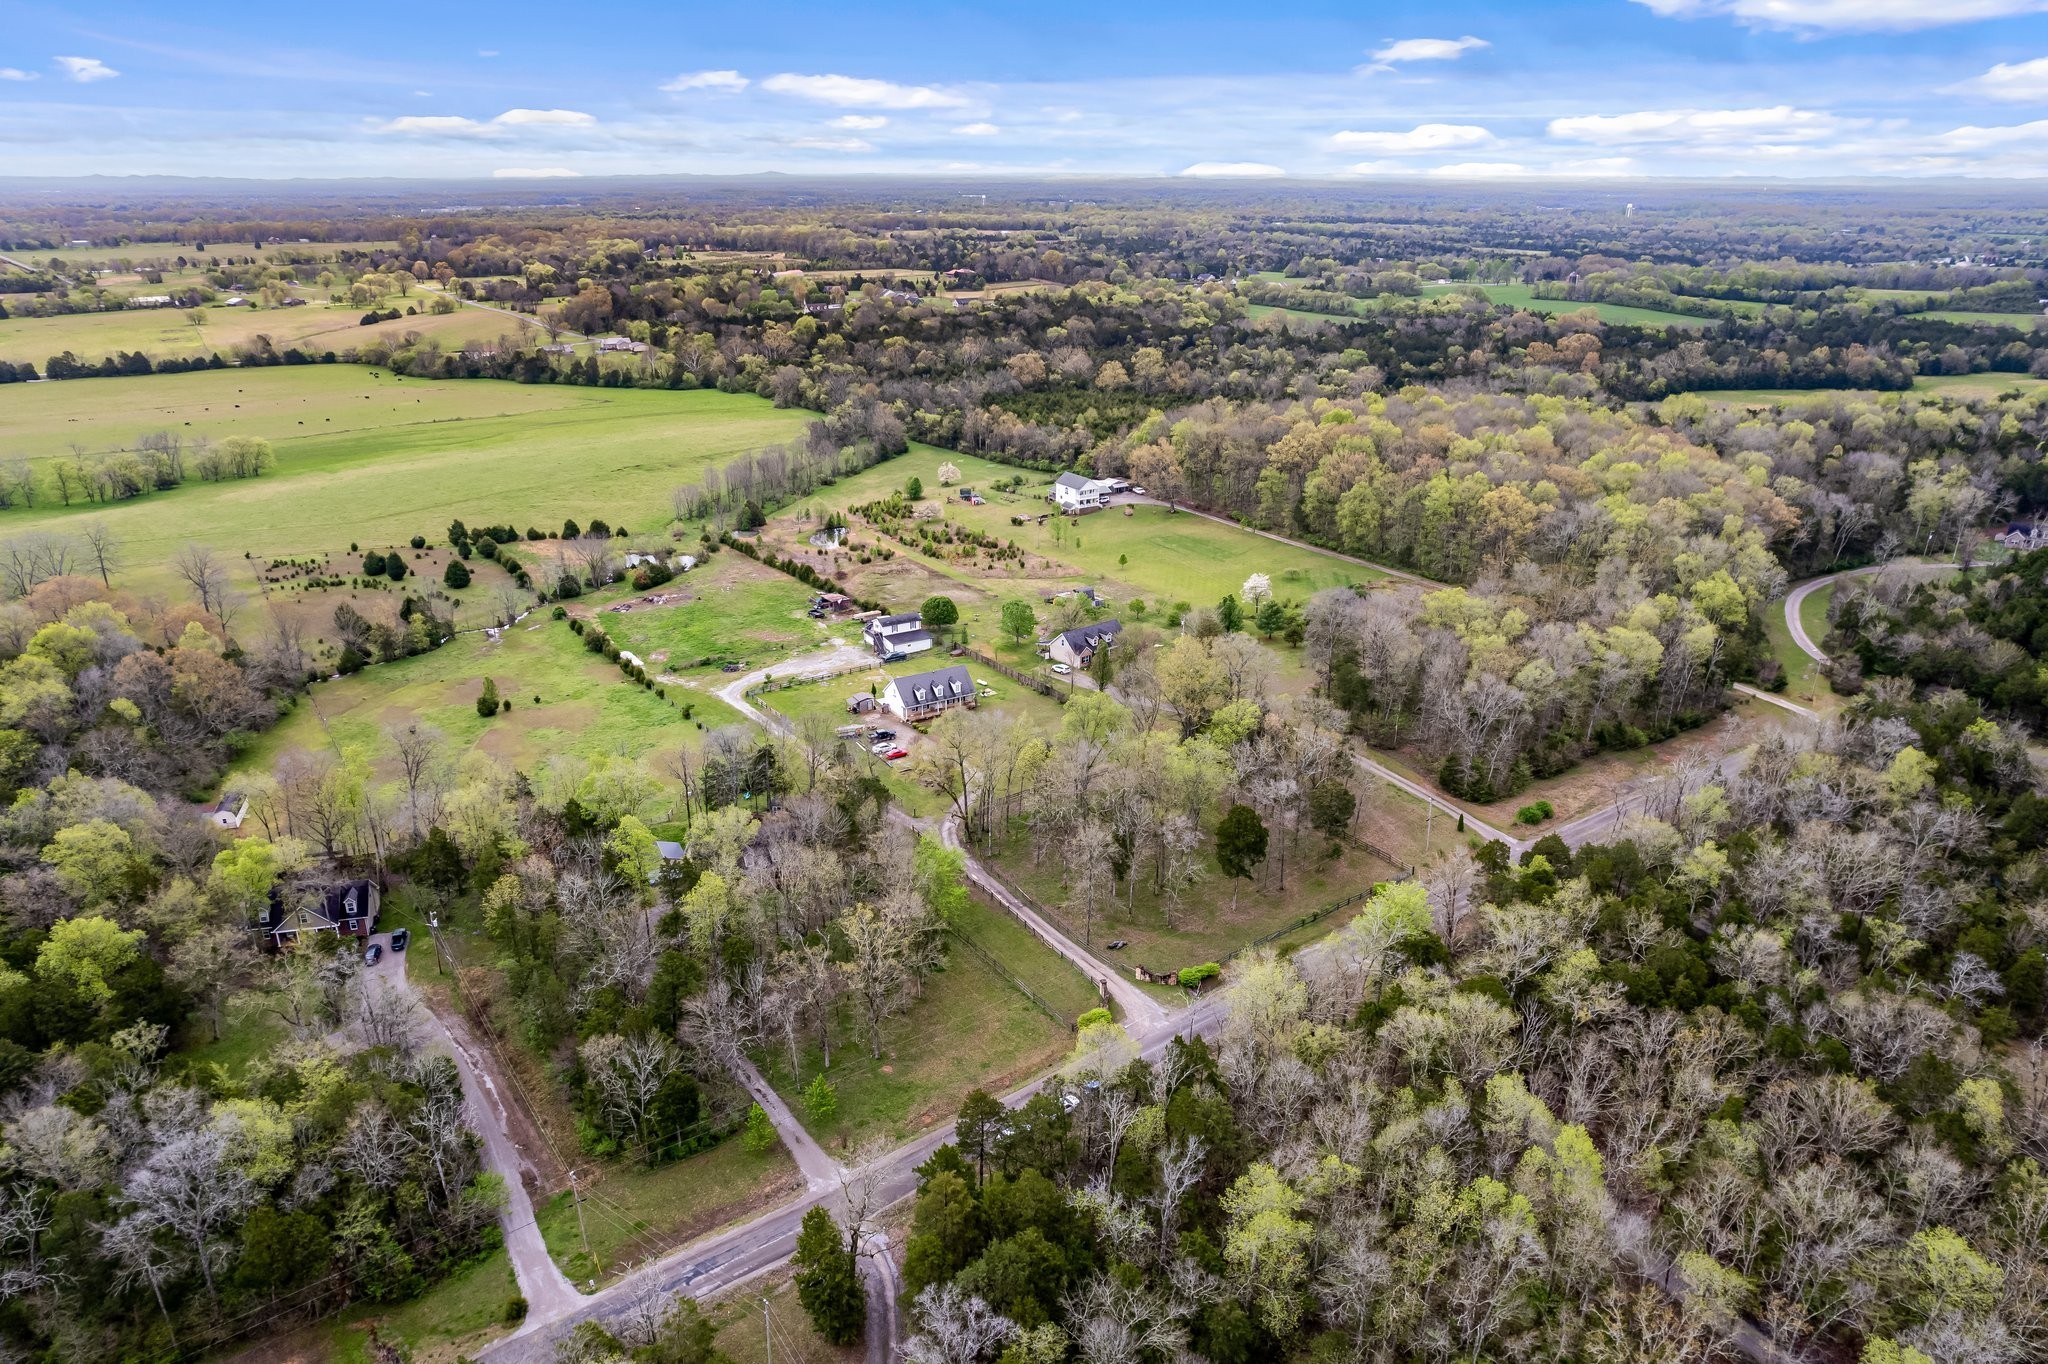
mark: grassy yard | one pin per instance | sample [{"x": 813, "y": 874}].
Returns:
[
  {"x": 452, "y": 1320},
  {"x": 786, "y": 1334},
  {"x": 926, "y": 1067},
  {"x": 828, "y": 699},
  {"x": 1813, "y": 614},
  {"x": 1803, "y": 682},
  {"x": 632, "y": 1213},
  {"x": 247, "y": 1034},
  {"x": 565, "y": 700},
  {"x": 1207, "y": 927},
  {"x": 1050, "y": 976}
]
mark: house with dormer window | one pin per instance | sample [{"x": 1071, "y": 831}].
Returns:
[{"x": 347, "y": 909}]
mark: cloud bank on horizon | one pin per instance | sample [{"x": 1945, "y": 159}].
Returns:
[{"x": 1474, "y": 89}]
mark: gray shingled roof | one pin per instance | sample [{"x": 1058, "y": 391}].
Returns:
[{"x": 928, "y": 689}]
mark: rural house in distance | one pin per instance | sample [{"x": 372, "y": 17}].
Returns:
[{"x": 924, "y": 695}]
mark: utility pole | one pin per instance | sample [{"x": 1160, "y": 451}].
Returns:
[
  {"x": 768, "y": 1331},
  {"x": 576, "y": 1195},
  {"x": 1428, "y": 827},
  {"x": 440, "y": 952}
]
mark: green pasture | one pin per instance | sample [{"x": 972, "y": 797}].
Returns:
[
  {"x": 737, "y": 611},
  {"x": 166, "y": 332},
  {"x": 365, "y": 456},
  {"x": 1523, "y": 296},
  {"x": 585, "y": 705},
  {"x": 2021, "y": 321}
]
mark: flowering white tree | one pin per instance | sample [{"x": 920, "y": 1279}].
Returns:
[
  {"x": 1256, "y": 588},
  {"x": 949, "y": 474}
]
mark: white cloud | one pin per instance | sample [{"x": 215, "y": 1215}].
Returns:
[
  {"x": 860, "y": 123},
  {"x": 434, "y": 125},
  {"x": 15, "y": 73},
  {"x": 534, "y": 173},
  {"x": 85, "y": 70},
  {"x": 1232, "y": 170},
  {"x": 1429, "y": 49},
  {"x": 1703, "y": 127},
  {"x": 730, "y": 82},
  {"x": 857, "y": 92},
  {"x": 1381, "y": 168},
  {"x": 977, "y": 130},
  {"x": 832, "y": 144},
  {"x": 454, "y": 125},
  {"x": 1893, "y": 15},
  {"x": 1425, "y": 137},
  {"x": 1972, "y": 139},
  {"x": 1596, "y": 167},
  {"x": 1479, "y": 170},
  {"x": 545, "y": 118},
  {"x": 2026, "y": 82}
]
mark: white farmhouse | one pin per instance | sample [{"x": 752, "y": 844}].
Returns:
[
  {"x": 1075, "y": 493},
  {"x": 897, "y": 636},
  {"x": 924, "y": 695}
]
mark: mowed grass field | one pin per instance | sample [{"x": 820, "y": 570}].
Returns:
[
  {"x": 1512, "y": 295},
  {"x": 162, "y": 333},
  {"x": 586, "y": 706},
  {"x": 1962, "y": 387},
  {"x": 1523, "y": 297},
  {"x": 365, "y": 456}
]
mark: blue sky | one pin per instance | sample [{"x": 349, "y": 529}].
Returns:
[{"x": 1502, "y": 89}]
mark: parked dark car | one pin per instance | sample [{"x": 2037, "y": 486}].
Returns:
[
  {"x": 374, "y": 955},
  {"x": 400, "y": 939}
]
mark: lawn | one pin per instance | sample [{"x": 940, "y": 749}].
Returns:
[
  {"x": 1813, "y": 615},
  {"x": 926, "y": 1066},
  {"x": 247, "y": 1034},
  {"x": 1962, "y": 387},
  {"x": 565, "y": 700},
  {"x": 451, "y": 1320},
  {"x": 1207, "y": 927},
  {"x": 632, "y": 1213},
  {"x": 363, "y": 456},
  {"x": 828, "y": 699},
  {"x": 786, "y": 1334},
  {"x": 1803, "y": 682},
  {"x": 1046, "y": 973}
]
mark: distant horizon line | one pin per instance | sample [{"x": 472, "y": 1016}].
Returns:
[{"x": 570, "y": 183}]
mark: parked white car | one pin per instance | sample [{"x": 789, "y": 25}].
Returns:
[{"x": 1062, "y": 669}]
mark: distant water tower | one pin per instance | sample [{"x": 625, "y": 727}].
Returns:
[{"x": 1629, "y": 211}]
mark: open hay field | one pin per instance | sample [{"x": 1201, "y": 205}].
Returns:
[
  {"x": 366, "y": 457},
  {"x": 1523, "y": 297},
  {"x": 565, "y": 700},
  {"x": 167, "y": 332}
]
